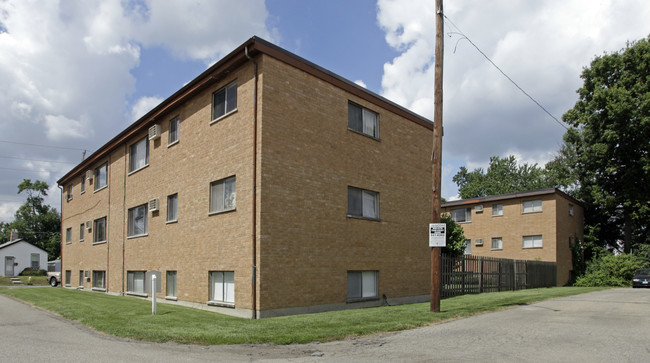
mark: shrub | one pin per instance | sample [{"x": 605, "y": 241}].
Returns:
[
  {"x": 31, "y": 272},
  {"x": 611, "y": 270}
]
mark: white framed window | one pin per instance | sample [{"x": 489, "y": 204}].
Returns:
[
  {"x": 99, "y": 279},
  {"x": 497, "y": 210},
  {"x": 68, "y": 235},
  {"x": 571, "y": 210},
  {"x": 363, "y": 203},
  {"x": 497, "y": 243},
  {"x": 68, "y": 277},
  {"x": 82, "y": 231},
  {"x": 362, "y": 285},
  {"x": 172, "y": 208},
  {"x": 101, "y": 176},
  {"x": 171, "y": 284},
  {"x": 532, "y": 241},
  {"x": 531, "y": 206},
  {"x": 36, "y": 261},
  {"x": 224, "y": 101},
  {"x": 223, "y": 195},
  {"x": 363, "y": 120},
  {"x": 468, "y": 247},
  {"x": 174, "y": 125},
  {"x": 82, "y": 186},
  {"x": 99, "y": 230},
  {"x": 81, "y": 277},
  {"x": 137, "y": 221},
  {"x": 68, "y": 192},
  {"x": 139, "y": 155},
  {"x": 135, "y": 281},
  {"x": 222, "y": 286},
  {"x": 462, "y": 215}
]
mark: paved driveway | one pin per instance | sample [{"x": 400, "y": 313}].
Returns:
[{"x": 605, "y": 326}]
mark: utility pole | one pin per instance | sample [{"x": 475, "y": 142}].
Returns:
[{"x": 436, "y": 157}]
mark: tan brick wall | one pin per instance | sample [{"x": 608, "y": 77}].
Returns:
[{"x": 552, "y": 224}]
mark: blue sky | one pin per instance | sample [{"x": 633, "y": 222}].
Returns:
[{"x": 75, "y": 72}]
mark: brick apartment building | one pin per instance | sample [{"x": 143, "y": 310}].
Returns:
[
  {"x": 266, "y": 186},
  {"x": 536, "y": 225}
]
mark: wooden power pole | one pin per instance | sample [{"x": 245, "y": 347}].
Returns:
[{"x": 436, "y": 157}]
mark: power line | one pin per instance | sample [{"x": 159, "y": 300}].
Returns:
[
  {"x": 504, "y": 74},
  {"x": 46, "y": 146},
  {"x": 27, "y": 170},
  {"x": 43, "y": 161}
]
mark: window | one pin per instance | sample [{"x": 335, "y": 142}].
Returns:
[
  {"x": 83, "y": 184},
  {"x": 99, "y": 281},
  {"x": 99, "y": 230},
  {"x": 135, "y": 281},
  {"x": 533, "y": 241},
  {"x": 362, "y": 285},
  {"x": 68, "y": 276},
  {"x": 137, "y": 221},
  {"x": 531, "y": 206},
  {"x": 172, "y": 208},
  {"x": 497, "y": 210},
  {"x": 222, "y": 286},
  {"x": 572, "y": 242},
  {"x": 68, "y": 235},
  {"x": 81, "y": 277},
  {"x": 171, "y": 283},
  {"x": 468, "y": 247},
  {"x": 461, "y": 215},
  {"x": 497, "y": 243},
  {"x": 69, "y": 191},
  {"x": 81, "y": 232},
  {"x": 173, "y": 130},
  {"x": 101, "y": 179},
  {"x": 139, "y": 155},
  {"x": 36, "y": 261},
  {"x": 363, "y": 203},
  {"x": 224, "y": 101},
  {"x": 222, "y": 195},
  {"x": 571, "y": 209},
  {"x": 362, "y": 120}
]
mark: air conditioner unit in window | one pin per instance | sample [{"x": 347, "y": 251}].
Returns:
[
  {"x": 89, "y": 225},
  {"x": 479, "y": 242},
  {"x": 154, "y": 132},
  {"x": 87, "y": 275},
  {"x": 89, "y": 175},
  {"x": 153, "y": 205},
  {"x": 478, "y": 209}
]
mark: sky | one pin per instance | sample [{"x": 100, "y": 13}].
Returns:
[{"x": 74, "y": 73}]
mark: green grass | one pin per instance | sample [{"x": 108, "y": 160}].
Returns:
[
  {"x": 36, "y": 280},
  {"x": 131, "y": 317}
]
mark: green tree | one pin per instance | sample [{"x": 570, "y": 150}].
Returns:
[
  {"x": 504, "y": 175},
  {"x": 610, "y": 135},
  {"x": 455, "y": 238},
  {"x": 35, "y": 221}
]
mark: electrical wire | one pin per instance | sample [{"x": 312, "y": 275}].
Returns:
[
  {"x": 41, "y": 145},
  {"x": 42, "y": 161},
  {"x": 504, "y": 74}
]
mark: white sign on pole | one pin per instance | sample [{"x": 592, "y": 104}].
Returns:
[{"x": 437, "y": 235}]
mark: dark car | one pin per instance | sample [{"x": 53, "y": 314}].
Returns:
[{"x": 641, "y": 278}]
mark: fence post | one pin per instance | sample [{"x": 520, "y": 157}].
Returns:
[{"x": 480, "y": 277}]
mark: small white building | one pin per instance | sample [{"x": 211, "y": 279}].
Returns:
[{"x": 18, "y": 254}]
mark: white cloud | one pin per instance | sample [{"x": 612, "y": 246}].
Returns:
[
  {"x": 8, "y": 210},
  {"x": 361, "y": 83},
  {"x": 542, "y": 46},
  {"x": 144, "y": 105},
  {"x": 60, "y": 127}
]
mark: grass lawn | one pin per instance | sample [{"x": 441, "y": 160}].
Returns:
[
  {"x": 36, "y": 280},
  {"x": 130, "y": 317}
]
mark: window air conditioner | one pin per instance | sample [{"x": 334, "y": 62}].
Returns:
[
  {"x": 89, "y": 225},
  {"x": 87, "y": 275},
  {"x": 479, "y": 242},
  {"x": 89, "y": 175},
  {"x": 153, "y": 205},
  {"x": 154, "y": 132},
  {"x": 478, "y": 208}
]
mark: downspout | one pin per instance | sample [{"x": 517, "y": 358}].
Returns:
[
  {"x": 61, "y": 233},
  {"x": 254, "y": 196},
  {"x": 123, "y": 218}
]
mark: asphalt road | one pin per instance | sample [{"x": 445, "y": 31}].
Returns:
[{"x": 606, "y": 326}]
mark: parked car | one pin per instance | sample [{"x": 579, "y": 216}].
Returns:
[
  {"x": 641, "y": 278},
  {"x": 54, "y": 272}
]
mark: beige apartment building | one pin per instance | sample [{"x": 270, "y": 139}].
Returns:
[
  {"x": 266, "y": 186},
  {"x": 535, "y": 225}
]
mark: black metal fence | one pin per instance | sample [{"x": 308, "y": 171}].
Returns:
[{"x": 475, "y": 274}]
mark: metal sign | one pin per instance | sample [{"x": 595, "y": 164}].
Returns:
[{"x": 437, "y": 235}]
